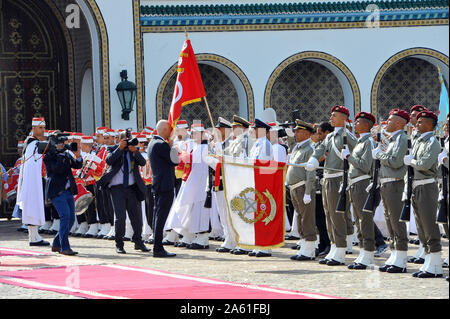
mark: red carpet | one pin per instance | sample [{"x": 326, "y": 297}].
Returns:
[
  {"x": 19, "y": 252},
  {"x": 116, "y": 281}
]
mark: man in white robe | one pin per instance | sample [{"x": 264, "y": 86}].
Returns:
[{"x": 30, "y": 193}]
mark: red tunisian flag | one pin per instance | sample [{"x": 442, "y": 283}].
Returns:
[
  {"x": 255, "y": 196},
  {"x": 189, "y": 85}
]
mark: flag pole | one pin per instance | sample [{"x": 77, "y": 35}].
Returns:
[{"x": 209, "y": 112}]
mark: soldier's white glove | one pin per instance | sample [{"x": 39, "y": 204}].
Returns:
[
  {"x": 369, "y": 188},
  {"x": 442, "y": 157},
  {"x": 407, "y": 159},
  {"x": 289, "y": 132},
  {"x": 306, "y": 199},
  {"x": 375, "y": 151},
  {"x": 312, "y": 164},
  {"x": 441, "y": 196},
  {"x": 345, "y": 152},
  {"x": 6, "y": 186}
]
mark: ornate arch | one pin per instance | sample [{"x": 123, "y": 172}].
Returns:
[
  {"x": 213, "y": 58},
  {"x": 311, "y": 56},
  {"x": 396, "y": 58},
  {"x": 104, "y": 59}
]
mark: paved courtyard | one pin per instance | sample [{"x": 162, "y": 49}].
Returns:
[{"x": 277, "y": 271}]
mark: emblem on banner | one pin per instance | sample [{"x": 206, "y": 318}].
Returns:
[{"x": 245, "y": 204}]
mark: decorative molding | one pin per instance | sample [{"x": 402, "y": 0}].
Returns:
[
  {"x": 308, "y": 55},
  {"x": 214, "y": 58},
  {"x": 140, "y": 111},
  {"x": 394, "y": 59},
  {"x": 104, "y": 59}
]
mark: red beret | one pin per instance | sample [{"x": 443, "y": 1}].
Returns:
[
  {"x": 365, "y": 115},
  {"x": 427, "y": 114},
  {"x": 418, "y": 108},
  {"x": 342, "y": 109},
  {"x": 400, "y": 113}
]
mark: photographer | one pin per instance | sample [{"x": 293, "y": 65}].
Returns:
[
  {"x": 127, "y": 189},
  {"x": 61, "y": 188}
]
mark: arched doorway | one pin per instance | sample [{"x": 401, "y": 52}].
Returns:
[
  {"x": 227, "y": 89},
  {"x": 34, "y": 72},
  {"x": 409, "y": 77},
  {"x": 312, "y": 82}
]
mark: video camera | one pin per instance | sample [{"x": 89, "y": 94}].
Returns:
[
  {"x": 130, "y": 140},
  {"x": 50, "y": 146}
]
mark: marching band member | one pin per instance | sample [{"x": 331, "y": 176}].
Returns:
[
  {"x": 302, "y": 188},
  {"x": 425, "y": 193},
  {"x": 392, "y": 173},
  {"x": 331, "y": 148},
  {"x": 30, "y": 193}
]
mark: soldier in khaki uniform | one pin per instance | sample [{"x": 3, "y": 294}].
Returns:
[
  {"x": 424, "y": 199},
  {"x": 392, "y": 173},
  {"x": 302, "y": 190},
  {"x": 331, "y": 148},
  {"x": 359, "y": 175}
]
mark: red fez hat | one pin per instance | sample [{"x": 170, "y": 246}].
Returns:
[
  {"x": 401, "y": 113},
  {"x": 365, "y": 115},
  {"x": 428, "y": 114},
  {"x": 418, "y": 108},
  {"x": 341, "y": 109}
]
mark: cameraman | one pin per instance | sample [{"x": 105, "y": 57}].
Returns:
[
  {"x": 61, "y": 188},
  {"x": 127, "y": 189}
]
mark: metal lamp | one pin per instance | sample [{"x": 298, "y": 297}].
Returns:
[{"x": 126, "y": 92}]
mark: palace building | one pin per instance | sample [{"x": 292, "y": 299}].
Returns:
[{"x": 62, "y": 59}]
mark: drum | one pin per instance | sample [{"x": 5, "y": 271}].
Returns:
[
  {"x": 82, "y": 200},
  {"x": 11, "y": 190}
]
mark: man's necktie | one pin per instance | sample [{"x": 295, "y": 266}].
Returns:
[{"x": 125, "y": 169}]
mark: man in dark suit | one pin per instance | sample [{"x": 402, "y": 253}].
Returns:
[
  {"x": 163, "y": 159},
  {"x": 127, "y": 190}
]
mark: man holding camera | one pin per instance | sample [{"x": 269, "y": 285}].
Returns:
[
  {"x": 61, "y": 187},
  {"x": 127, "y": 189}
]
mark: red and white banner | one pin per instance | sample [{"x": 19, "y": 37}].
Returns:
[{"x": 255, "y": 195}]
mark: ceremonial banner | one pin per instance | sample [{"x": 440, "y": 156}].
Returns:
[
  {"x": 189, "y": 85},
  {"x": 255, "y": 196}
]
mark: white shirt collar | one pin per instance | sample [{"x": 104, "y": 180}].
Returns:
[
  {"x": 361, "y": 135},
  {"x": 426, "y": 134},
  {"x": 299, "y": 144}
]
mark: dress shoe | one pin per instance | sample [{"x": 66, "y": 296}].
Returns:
[
  {"x": 360, "y": 267},
  {"x": 163, "y": 254},
  {"x": 303, "y": 258},
  {"x": 166, "y": 242},
  {"x": 126, "y": 239},
  {"x": 444, "y": 265},
  {"x": 384, "y": 268},
  {"x": 111, "y": 237},
  {"x": 238, "y": 251},
  {"x": 56, "y": 249},
  {"x": 352, "y": 266},
  {"x": 150, "y": 241},
  {"x": 120, "y": 250},
  {"x": 396, "y": 270},
  {"x": 40, "y": 243},
  {"x": 99, "y": 236},
  {"x": 68, "y": 252},
  {"x": 323, "y": 261},
  {"x": 333, "y": 262},
  {"x": 415, "y": 274},
  {"x": 252, "y": 253},
  {"x": 262, "y": 254},
  {"x": 417, "y": 242},
  {"x": 380, "y": 250},
  {"x": 197, "y": 246},
  {"x": 419, "y": 261},
  {"x": 411, "y": 260},
  {"x": 324, "y": 252},
  {"x": 181, "y": 244},
  {"x": 426, "y": 274},
  {"x": 290, "y": 237},
  {"x": 223, "y": 250},
  {"x": 51, "y": 232},
  {"x": 142, "y": 248},
  {"x": 295, "y": 247},
  {"x": 87, "y": 236}
]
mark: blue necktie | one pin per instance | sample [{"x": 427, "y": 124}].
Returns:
[{"x": 125, "y": 169}]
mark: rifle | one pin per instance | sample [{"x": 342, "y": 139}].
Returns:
[
  {"x": 374, "y": 198},
  {"x": 406, "y": 210},
  {"x": 342, "y": 202},
  {"x": 442, "y": 217}
]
